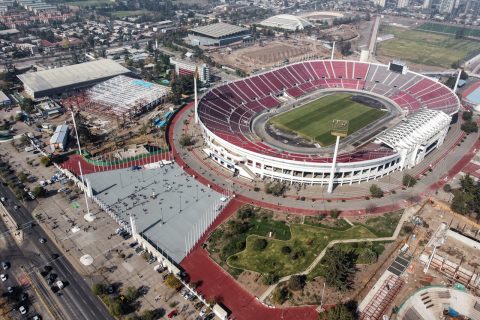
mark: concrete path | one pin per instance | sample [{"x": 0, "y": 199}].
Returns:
[{"x": 409, "y": 212}]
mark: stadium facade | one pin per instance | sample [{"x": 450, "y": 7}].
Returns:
[
  {"x": 59, "y": 80},
  {"x": 226, "y": 114}
]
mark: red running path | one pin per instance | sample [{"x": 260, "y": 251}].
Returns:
[{"x": 214, "y": 282}]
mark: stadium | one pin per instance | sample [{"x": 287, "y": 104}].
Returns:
[{"x": 276, "y": 125}]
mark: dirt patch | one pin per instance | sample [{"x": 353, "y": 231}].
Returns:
[{"x": 267, "y": 54}]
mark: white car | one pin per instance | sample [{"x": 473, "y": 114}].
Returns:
[
  {"x": 203, "y": 311},
  {"x": 22, "y": 310},
  {"x": 3, "y": 277}
]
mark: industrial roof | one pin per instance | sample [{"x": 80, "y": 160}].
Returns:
[
  {"x": 286, "y": 21},
  {"x": 167, "y": 204},
  {"x": 60, "y": 133},
  {"x": 70, "y": 75},
  {"x": 3, "y": 97},
  {"x": 218, "y": 30}
]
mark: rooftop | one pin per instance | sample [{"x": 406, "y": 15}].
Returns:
[
  {"x": 60, "y": 133},
  {"x": 165, "y": 202},
  {"x": 3, "y": 97},
  {"x": 219, "y": 30},
  {"x": 286, "y": 21},
  {"x": 71, "y": 75}
]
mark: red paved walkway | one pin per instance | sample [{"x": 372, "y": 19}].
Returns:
[{"x": 214, "y": 282}]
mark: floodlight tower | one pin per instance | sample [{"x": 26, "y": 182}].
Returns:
[
  {"x": 195, "y": 76},
  {"x": 333, "y": 50},
  {"x": 339, "y": 129},
  {"x": 76, "y": 134},
  {"x": 458, "y": 79}
]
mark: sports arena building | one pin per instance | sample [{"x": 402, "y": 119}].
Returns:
[
  {"x": 286, "y": 22},
  {"x": 228, "y": 112}
]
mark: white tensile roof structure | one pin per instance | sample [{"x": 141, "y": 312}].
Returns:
[
  {"x": 415, "y": 130},
  {"x": 286, "y": 22}
]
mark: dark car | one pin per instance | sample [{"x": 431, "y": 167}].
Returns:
[{"x": 172, "y": 313}]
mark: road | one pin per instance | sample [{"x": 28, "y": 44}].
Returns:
[{"x": 76, "y": 301}]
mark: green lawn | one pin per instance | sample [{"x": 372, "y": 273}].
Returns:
[
  {"x": 313, "y": 121},
  {"x": 123, "y": 14},
  {"x": 384, "y": 225},
  {"x": 90, "y": 3},
  {"x": 358, "y": 248},
  {"x": 449, "y": 29},
  {"x": 306, "y": 242},
  {"x": 425, "y": 48}
]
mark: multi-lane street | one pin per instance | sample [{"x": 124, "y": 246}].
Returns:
[{"x": 75, "y": 301}]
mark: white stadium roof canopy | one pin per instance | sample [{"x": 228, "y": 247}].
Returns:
[{"x": 286, "y": 22}]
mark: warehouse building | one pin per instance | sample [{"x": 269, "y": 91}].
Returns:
[
  {"x": 59, "y": 139},
  {"x": 217, "y": 34},
  {"x": 60, "y": 80}
]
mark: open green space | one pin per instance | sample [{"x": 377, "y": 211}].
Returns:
[
  {"x": 125, "y": 13},
  {"x": 449, "y": 29},
  {"x": 425, "y": 48},
  {"x": 313, "y": 121},
  {"x": 365, "y": 253},
  {"x": 384, "y": 225},
  {"x": 90, "y": 3},
  {"x": 306, "y": 242}
]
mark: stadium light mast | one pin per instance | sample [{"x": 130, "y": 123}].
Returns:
[
  {"x": 195, "y": 75},
  {"x": 76, "y": 134},
  {"x": 333, "y": 50},
  {"x": 458, "y": 79},
  {"x": 339, "y": 129}
]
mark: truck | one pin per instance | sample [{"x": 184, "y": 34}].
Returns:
[{"x": 59, "y": 284}]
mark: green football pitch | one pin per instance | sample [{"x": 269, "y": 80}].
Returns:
[{"x": 313, "y": 121}]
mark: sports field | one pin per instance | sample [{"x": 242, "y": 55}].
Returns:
[
  {"x": 449, "y": 29},
  {"x": 313, "y": 121},
  {"x": 427, "y": 48}
]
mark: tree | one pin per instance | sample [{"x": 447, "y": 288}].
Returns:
[
  {"x": 275, "y": 188},
  {"x": 280, "y": 295},
  {"x": 297, "y": 282},
  {"x": 172, "y": 282},
  {"x": 408, "y": 180},
  {"x": 99, "y": 289},
  {"x": 131, "y": 293},
  {"x": 341, "y": 268},
  {"x": 376, "y": 191},
  {"x": 259, "y": 244},
  {"x": 469, "y": 127},
  {"x": 368, "y": 256},
  {"x": 186, "y": 140},
  {"x": 460, "y": 202},
  {"x": 339, "y": 312},
  {"x": 46, "y": 161},
  {"x": 334, "y": 213},
  {"x": 22, "y": 177},
  {"x": 39, "y": 192},
  {"x": 246, "y": 212},
  {"x": 467, "y": 115},
  {"x": 447, "y": 188},
  {"x": 345, "y": 48},
  {"x": 148, "y": 315}
]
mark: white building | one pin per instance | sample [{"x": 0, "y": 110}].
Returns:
[
  {"x": 402, "y": 3},
  {"x": 286, "y": 22},
  {"x": 59, "y": 139},
  {"x": 184, "y": 67}
]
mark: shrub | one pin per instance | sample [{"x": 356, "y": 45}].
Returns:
[
  {"x": 447, "y": 188},
  {"x": 185, "y": 140},
  {"x": 280, "y": 295},
  {"x": 172, "y": 282},
  {"x": 99, "y": 289},
  {"x": 296, "y": 282},
  {"x": 269, "y": 279},
  {"x": 275, "y": 188},
  {"x": 368, "y": 256},
  {"x": 335, "y": 213},
  {"x": 469, "y": 127},
  {"x": 46, "y": 161},
  {"x": 246, "y": 211},
  {"x": 286, "y": 250},
  {"x": 408, "y": 180},
  {"x": 259, "y": 244},
  {"x": 38, "y": 191},
  {"x": 376, "y": 191}
]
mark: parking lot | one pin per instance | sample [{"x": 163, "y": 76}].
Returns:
[{"x": 116, "y": 259}]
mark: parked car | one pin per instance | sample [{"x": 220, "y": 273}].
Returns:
[
  {"x": 5, "y": 265},
  {"x": 42, "y": 240},
  {"x": 3, "y": 277},
  {"x": 172, "y": 313},
  {"x": 22, "y": 310}
]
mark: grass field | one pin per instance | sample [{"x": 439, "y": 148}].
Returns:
[
  {"x": 425, "y": 48},
  {"x": 307, "y": 241},
  {"x": 90, "y": 3},
  {"x": 313, "y": 121},
  {"x": 449, "y": 29},
  {"x": 123, "y": 14}
]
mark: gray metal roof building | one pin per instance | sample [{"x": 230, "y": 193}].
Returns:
[
  {"x": 56, "y": 81},
  {"x": 4, "y": 100},
  {"x": 59, "y": 138},
  {"x": 217, "y": 34}
]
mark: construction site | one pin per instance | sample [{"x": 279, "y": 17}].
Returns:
[{"x": 121, "y": 97}]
